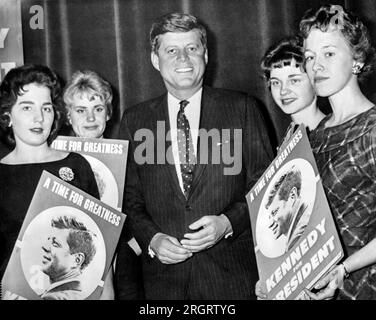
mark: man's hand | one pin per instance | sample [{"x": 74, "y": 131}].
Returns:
[
  {"x": 213, "y": 230},
  {"x": 328, "y": 284},
  {"x": 168, "y": 249}
]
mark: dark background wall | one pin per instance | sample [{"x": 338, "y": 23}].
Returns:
[{"x": 111, "y": 37}]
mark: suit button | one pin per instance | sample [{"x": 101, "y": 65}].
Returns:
[{"x": 188, "y": 207}]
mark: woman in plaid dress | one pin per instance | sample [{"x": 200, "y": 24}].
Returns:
[{"x": 338, "y": 54}]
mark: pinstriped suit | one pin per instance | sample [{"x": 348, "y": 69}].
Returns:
[{"x": 155, "y": 203}]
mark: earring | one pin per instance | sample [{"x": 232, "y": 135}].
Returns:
[
  {"x": 356, "y": 69},
  {"x": 10, "y": 124}
]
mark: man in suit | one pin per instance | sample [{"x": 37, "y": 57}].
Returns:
[
  {"x": 185, "y": 192},
  {"x": 68, "y": 250},
  {"x": 288, "y": 212}
]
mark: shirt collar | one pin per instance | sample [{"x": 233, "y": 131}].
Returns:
[
  {"x": 59, "y": 283},
  {"x": 174, "y": 102}
]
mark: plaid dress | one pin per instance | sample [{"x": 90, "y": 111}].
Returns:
[{"x": 346, "y": 156}]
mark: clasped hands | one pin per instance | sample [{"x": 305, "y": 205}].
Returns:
[{"x": 210, "y": 228}]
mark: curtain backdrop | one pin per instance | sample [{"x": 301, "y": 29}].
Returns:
[{"x": 111, "y": 37}]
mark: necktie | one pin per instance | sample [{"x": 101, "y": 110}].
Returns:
[{"x": 187, "y": 156}]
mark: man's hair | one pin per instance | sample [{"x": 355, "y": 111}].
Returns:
[
  {"x": 12, "y": 87},
  {"x": 90, "y": 83},
  {"x": 80, "y": 239},
  {"x": 349, "y": 25},
  {"x": 283, "y": 53},
  {"x": 282, "y": 188},
  {"x": 175, "y": 22}
]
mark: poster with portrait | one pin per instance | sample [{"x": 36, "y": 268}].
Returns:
[
  {"x": 108, "y": 160},
  {"x": 65, "y": 246},
  {"x": 295, "y": 238}
]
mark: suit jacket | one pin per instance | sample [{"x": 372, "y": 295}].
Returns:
[
  {"x": 65, "y": 291},
  {"x": 154, "y": 201}
]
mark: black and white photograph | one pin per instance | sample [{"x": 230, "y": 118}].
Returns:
[{"x": 197, "y": 98}]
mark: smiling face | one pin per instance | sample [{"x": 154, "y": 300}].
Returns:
[
  {"x": 280, "y": 214},
  {"x": 88, "y": 116},
  {"x": 32, "y": 115},
  {"x": 181, "y": 60},
  {"x": 291, "y": 88},
  {"x": 329, "y": 61},
  {"x": 56, "y": 257}
]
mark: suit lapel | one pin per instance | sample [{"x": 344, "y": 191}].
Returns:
[{"x": 208, "y": 121}]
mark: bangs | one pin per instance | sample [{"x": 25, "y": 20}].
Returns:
[
  {"x": 286, "y": 58},
  {"x": 285, "y": 63},
  {"x": 84, "y": 92}
]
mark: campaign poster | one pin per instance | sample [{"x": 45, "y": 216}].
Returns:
[
  {"x": 108, "y": 160},
  {"x": 65, "y": 246},
  {"x": 295, "y": 237}
]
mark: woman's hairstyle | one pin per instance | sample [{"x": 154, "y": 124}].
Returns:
[
  {"x": 286, "y": 52},
  {"x": 175, "y": 22},
  {"x": 356, "y": 34},
  {"x": 12, "y": 87},
  {"x": 88, "y": 83}
]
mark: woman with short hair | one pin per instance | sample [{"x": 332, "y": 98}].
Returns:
[{"x": 338, "y": 55}]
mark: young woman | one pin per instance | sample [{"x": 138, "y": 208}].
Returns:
[
  {"x": 31, "y": 113},
  {"x": 338, "y": 53},
  {"x": 291, "y": 89},
  {"x": 88, "y": 101}
]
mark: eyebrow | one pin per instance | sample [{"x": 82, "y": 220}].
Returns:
[
  {"x": 290, "y": 76},
  {"x": 324, "y": 47},
  {"x": 329, "y": 45},
  {"x": 84, "y": 107},
  {"x": 32, "y": 102},
  {"x": 170, "y": 46}
]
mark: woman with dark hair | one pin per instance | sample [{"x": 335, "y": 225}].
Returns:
[
  {"x": 338, "y": 54},
  {"x": 31, "y": 113},
  {"x": 291, "y": 89}
]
